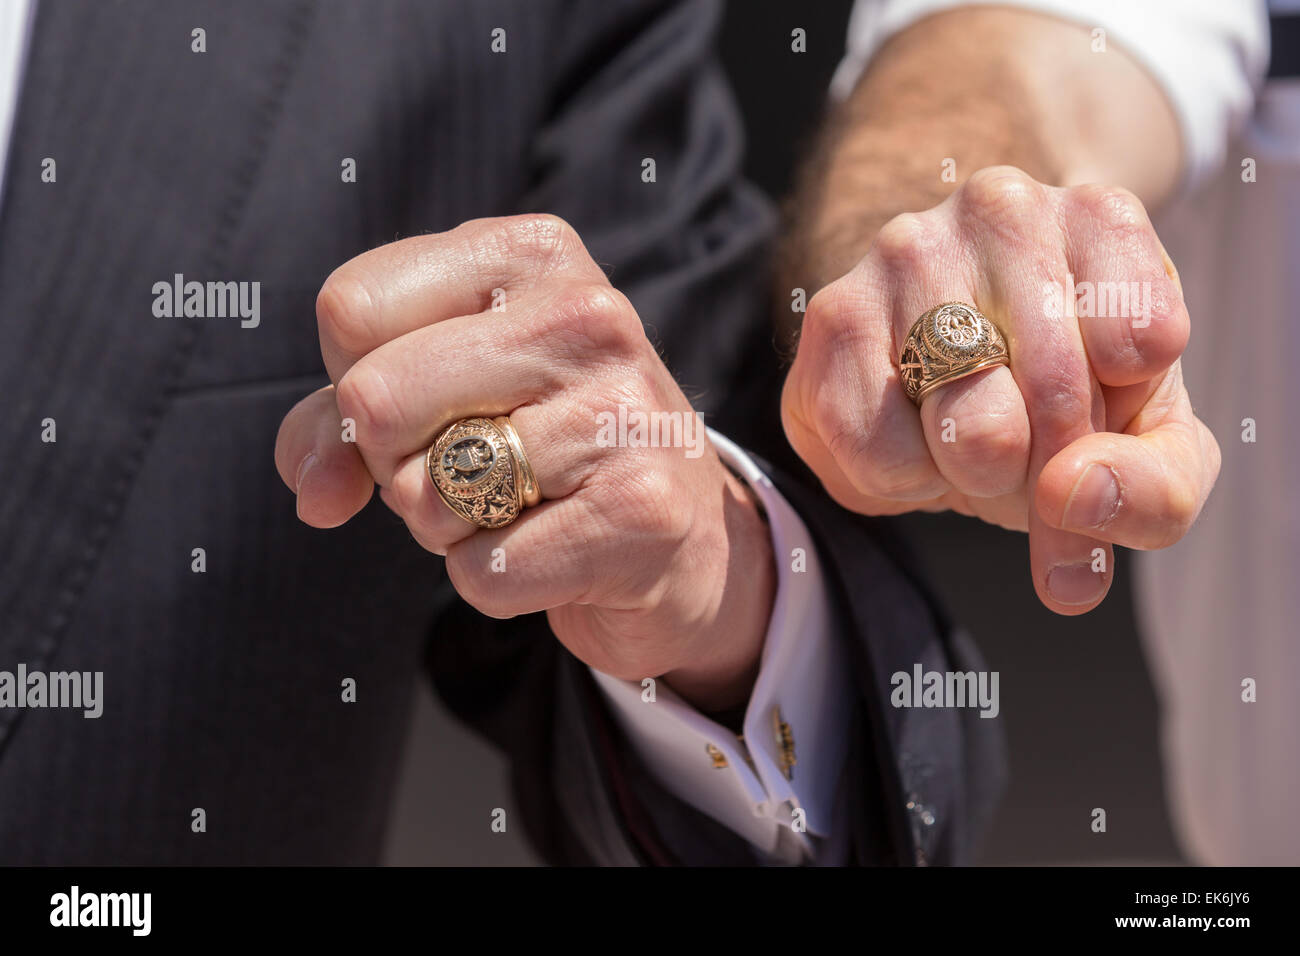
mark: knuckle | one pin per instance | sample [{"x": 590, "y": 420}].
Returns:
[
  {"x": 542, "y": 237},
  {"x": 1001, "y": 194},
  {"x": 1163, "y": 327},
  {"x": 871, "y": 462},
  {"x": 407, "y": 493},
  {"x": 1140, "y": 336},
  {"x": 989, "y": 443},
  {"x": 363, "y": 396},
  {"x": 472, "y": 581},
  {"x": 1181, "y": 505},
  {"x": 833, "y": 316},
  {"x": 827, "y": 417},
  {"x": 897, "y": 480},
  {"x": 592, "y": 317},
  {"x": 1142, "y": 346},
  {"x": 1115, "y": 207},
  {"x": 1184, "y": 502},
  {"x": 647, "y": 508},
  {"x": 1059, "y": 400},
  {"x": 907, "y": 243},
  {"x": 345, "y": 311}
]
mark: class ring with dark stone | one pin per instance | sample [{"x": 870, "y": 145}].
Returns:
[
  {"x": 480, "y": 470},
  {"x": 949, "y": 342}
]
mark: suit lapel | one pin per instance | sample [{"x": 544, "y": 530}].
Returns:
[{"x": 156, "y": 148}]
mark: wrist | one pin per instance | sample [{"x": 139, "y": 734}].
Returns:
[{"x": 725, "y": 656}]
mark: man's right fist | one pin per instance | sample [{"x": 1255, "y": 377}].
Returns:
[
  {"x": 649, "y": 559},
  {"x": 1088, "y": 439}
]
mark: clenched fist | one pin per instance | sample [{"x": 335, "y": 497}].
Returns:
[
  {"x": 1087, "y": 439},
  {"x": 649, "y": 561}
]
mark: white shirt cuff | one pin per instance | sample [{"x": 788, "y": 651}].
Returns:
[
  {"x": 802, "y": 683},
  {"x": 1209, "y": 56}
]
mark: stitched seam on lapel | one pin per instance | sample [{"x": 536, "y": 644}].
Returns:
[{"x": 296, "y": 26}]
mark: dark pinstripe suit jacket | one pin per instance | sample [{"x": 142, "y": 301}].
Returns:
[{"x": 222, "y": 688}]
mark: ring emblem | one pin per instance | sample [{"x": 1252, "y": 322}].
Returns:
[
  {"x": 468, "y": 460},
  {"x": 957, "y": 326},
  {"x": 949, "y": 342},
  {"x": 471, "y": 466}
]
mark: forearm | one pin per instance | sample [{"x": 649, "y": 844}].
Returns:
[{"x": 960, "y": 91}]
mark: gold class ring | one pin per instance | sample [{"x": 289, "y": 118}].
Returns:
[
  {"x": 949, "y": 342},
  {"x": 480, "y": 470}
]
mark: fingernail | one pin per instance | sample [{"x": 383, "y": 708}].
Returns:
[
  {"x": 1075, "y": 583},
  {"x": 304, "y": 466},
  {"x": 1094, "y": 502}
]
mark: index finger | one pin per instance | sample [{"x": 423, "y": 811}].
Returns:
[
  {"x": 1141, "y": 489},
  {"x": 480, "y": 265}
]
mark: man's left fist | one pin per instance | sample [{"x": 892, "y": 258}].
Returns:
[
  {"x": 649, "y": 561},
  {"x": 1086, "y": 441}
]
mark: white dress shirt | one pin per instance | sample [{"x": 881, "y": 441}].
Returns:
[
  {"x": 802, "y": 682},
  {"x": 801, "y": 672},
  {"x": 1222, "y": 606},
  {"x": 1204, "y": 54},
  {"x": 15, "y": 27}
]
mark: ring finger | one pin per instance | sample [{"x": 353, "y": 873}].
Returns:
[{"x": 560, "y": 454}]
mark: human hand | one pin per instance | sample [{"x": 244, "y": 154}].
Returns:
[
  {"x": 1087, "y": 440},
  {"x": 649, "y": 561}
]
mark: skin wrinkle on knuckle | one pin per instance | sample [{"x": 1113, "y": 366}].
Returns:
[
  {"x": 904, "y": 482},
  {"x": 571, "y": 458},
  {"x": 1123, "y": 255},
  {"x": 1147, "y": 334},
  {"x": 516, "y": 253},
  {"x": 991, "y": 442},
  {"x": 907, "y": 244},
  {"x": 651, "y": 503},
  {"x": 543, "y": 239},
  {"x": 593, "y": 321},
  {"x": 1117, "y": 345},
  {"x": 822, "y": 309},
  {"x": 837, "y": 431},
  {"x": 838, "y": 327},
  {"x": 1056, "y": 402},
  {"x": 833, "y": 347},
  {"x": 345, "y": 310},
  {"x": 487, "y": 250},
  {"x": 365, "y": 397},
  {"x": 1115, "y": 208},
  {"x": 841, "y": 347},
  {"x": 1001, "y": 196},
  {"x": 1165, "y": 336},
  {"x": 885, "y": 474},
  {"x": 990, "y": 428}
]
